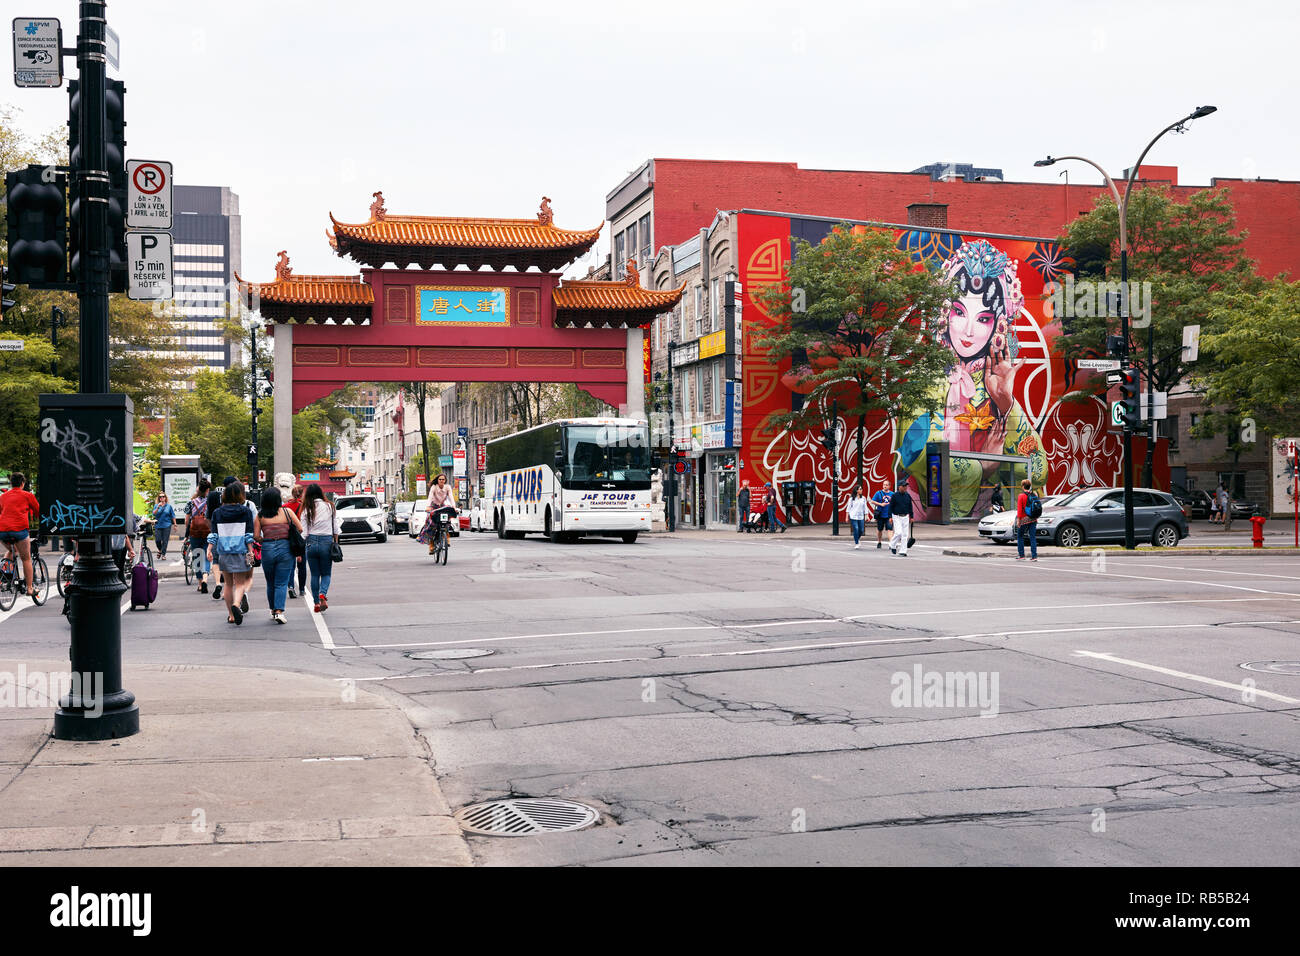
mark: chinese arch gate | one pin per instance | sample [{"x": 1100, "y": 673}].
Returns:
[{"x": 439, "y": 323}]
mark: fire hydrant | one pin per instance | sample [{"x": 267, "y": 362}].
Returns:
[{"x": 1257, "y": 531}]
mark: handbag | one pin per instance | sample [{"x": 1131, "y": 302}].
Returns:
[
  {"x": 297, "y": 543},
  {"x": 336, "y": 552}
]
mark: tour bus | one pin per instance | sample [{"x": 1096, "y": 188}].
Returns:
[{"x": 569, "y": 478}]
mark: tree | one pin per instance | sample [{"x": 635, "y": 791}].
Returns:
[
  {"x": 421, "y": 465},
  {"x": 1184, "y": 253},
  {"x": 853, "y": 316}
]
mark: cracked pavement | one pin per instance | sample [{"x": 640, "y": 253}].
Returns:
[{"x": 740, "y": 700}]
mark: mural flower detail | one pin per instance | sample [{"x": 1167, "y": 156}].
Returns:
[
  {"x": 976, "y": 419},
  {"x": 1050, "y": 260}
]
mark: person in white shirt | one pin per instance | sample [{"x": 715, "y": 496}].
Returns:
[
  {"x": 321, "y": 523},
  {"x": 857, "y": 512}
]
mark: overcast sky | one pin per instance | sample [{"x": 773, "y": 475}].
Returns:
[{"x": 480, "y": 108}]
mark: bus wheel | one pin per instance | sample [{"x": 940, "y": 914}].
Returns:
[
  {"x": 499, "y": 522},
  {"x": 629, "y": 537},
  {"x": 555, "y": 537}
]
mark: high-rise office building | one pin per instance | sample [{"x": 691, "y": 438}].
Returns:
[{"x": 206, "y": 236}]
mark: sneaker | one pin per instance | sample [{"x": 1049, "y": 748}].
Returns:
[
  {"x": 278, "y": 617},
  {"x": 293, "y": 595},
  {"x": 216, "y": 593},
  {"x": 1033, "y": 559},
  {"x": 324, "y": 603},
  {"x": 243, "y": 603},
  {"x": 857, "y": 547},
  {"x": 237, "y": 614},
  {"x": 879, "y": 545},
  {"x": 903, "y": 555},
  {"x": 1020, "y": 557},
  {"x": 893, "y": 551},
  {"x": 316, "y": 608}
]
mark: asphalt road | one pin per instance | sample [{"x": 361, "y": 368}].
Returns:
[{"x": 741, "y": 700}]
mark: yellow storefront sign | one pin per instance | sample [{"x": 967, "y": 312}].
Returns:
[{"x": 715, "y": 343}]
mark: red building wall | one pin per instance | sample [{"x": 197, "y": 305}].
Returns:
[{"x": 689, "y": 192}]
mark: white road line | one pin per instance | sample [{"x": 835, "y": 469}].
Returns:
[
  {"x": 322, "y": 628},
  {"x": 741, "y": 626},
  {"x": 824, "y": 645},
  {"x": 1147, "y": 577},
  {"x": 24, "y": 602},
  {"x": 1194, "y": 677},
  {"x": 1248, "y": 574}
]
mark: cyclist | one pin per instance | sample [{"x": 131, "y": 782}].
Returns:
[
  {"x": 441, "y": 498},
  {"x": 18, "y": 507}
]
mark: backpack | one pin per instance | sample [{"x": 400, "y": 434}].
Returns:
[
  {"x": 1033, "y": 506},
  {"x": 200, "y": 527}
]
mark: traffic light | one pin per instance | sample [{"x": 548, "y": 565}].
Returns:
[
  {"x": 37, "y": 198},
  {"x": 6, "y": 287},
  {"x": 1130, "y": 399},
  {"x": 115, "y": 162}
]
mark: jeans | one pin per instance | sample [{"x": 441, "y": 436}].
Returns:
[
  {"x": 773, "y": 522},
  {"x": 160, "y": 537},
  {"x": 119, "y": 558},
  {"x": 1029, "y": 528},
  {"x": 277, "y": 565},
  {"x": 856, "y": 524},
  {"x": 320, "y": 562}
]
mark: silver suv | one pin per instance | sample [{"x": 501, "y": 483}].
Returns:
[{"x": 1096, "y": 516}]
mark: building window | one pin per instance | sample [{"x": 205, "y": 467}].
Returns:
[
  {"x": 1169, "y": 430},
  {"x": 646, "y": 248},
  {"x": 699, "y": 310},
  {"x": 631, "y": 241},
  {"x": 618, "y": 256}
]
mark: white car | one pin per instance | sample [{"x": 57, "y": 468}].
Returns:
[
  {"x": 478, "y": 517},
  {"x": 1000, "y": 526},
  {"x": 360, "y": 516}
]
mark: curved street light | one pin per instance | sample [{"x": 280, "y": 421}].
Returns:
[{"x": 1122, "y": 202}]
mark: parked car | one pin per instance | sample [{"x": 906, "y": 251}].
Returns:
[
  {"x": 478, "y": 517},
  {"x": 1197, "y": 504},
  {"x": 1096, "y": 516},
  {"x": 399, "y": 516},
  {"x": 1000, "y": 526},
  {"x": 360, "y": 516}
]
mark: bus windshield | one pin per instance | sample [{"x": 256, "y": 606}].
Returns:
[{"x": 600, "y": 456}]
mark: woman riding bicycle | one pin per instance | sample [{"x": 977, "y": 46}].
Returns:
[
  {"x": 17, "y": 509},
  {"x": 441, "y": 498}
]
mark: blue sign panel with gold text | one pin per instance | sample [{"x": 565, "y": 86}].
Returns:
[{"x": 463, "y": 305}]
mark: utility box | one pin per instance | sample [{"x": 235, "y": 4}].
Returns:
[{"x": 85, "y": 464}]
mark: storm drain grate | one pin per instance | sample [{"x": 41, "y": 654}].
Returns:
[{"x": 525, "y": 817}]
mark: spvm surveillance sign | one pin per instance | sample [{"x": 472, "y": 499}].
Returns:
[
  {"x": 38, "y": 52},
  {"x": 149, "y": 265}
]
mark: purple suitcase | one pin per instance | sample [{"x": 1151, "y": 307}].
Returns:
[{"x": 144, "y": 586}]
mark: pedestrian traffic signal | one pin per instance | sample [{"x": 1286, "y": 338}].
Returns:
[
  {"x": 1130, "y": 399},
  {"x": 37, "y": 201},
  {"x": 6, "y": 287}
]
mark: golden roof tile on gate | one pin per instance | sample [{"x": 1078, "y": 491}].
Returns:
[
  {"x": 593, "y": 295},
  {"x": 464, "y": 233},
  {"x": 310, "y": 290}
]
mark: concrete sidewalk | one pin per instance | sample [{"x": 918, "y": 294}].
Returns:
[{"x": 232, "y": 767}]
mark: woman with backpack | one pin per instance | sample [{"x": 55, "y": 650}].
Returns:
[
  {"x": 230, "y": 544},
  {"x": 272, "y": 528},
  {"x": 321, "y": 526},
  {"x": 1028, "y": 511},
  {"x": 197, "y": 530}
]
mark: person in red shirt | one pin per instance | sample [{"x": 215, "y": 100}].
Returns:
[
  {"x": 294, "y": 504},
  {"x": 18, "y": 507},
  {"x": 1026, "y": 527}
]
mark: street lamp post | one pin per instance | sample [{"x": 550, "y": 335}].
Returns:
[
  {"x": 1121, "y": 203},
  {"x": 670, "y": 499}
]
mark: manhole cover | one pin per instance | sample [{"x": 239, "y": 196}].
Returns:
[
  {"x": 525, "y": 817},
  {"x": 1289, "y": 668},
  {"x": 450, "y": 654}
]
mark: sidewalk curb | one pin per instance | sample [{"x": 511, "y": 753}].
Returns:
[{"x": 1086, "y": 552}]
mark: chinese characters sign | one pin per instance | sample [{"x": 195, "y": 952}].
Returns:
[{"x": 463, "y": 305}]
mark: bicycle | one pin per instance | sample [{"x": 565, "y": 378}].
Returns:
[
  {"x": 63, "y": 572},
  {"x": 145, "y": 556},
  {"x": 441, "y": 538},
  {"x": 186, "y": 558},
  {"x": 12, "y": 579}
]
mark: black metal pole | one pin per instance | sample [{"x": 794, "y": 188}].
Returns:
[
  {"x": 1148, "y": 478},
  {"x": 252, "y": 453},
  {"x": 835, "y": 467},
  {"x": 670, "y": 498},
  {"x": 109, "y": 710},
  {"x": 1129, "y": 542},
  {"x": 57, "y": 318}
]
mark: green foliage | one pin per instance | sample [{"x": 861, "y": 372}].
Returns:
[
  {"x": 417, "y": 466},
  {"x": 1253, "y": 363},
  {"x": 1188, "y": 251},
  {"x": 854, "y": 316}
]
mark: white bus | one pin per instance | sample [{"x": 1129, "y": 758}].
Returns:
[{"x": 569, "y": 478}]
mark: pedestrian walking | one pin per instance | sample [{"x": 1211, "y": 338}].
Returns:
[
  {"x": 18, "y": 509},
  {"x": 271, "y": 530},
  {"x": 742, "y": 506},
  {"x": 900, "y": 513},
  {"x": 1225, "y": 506},
  {"x": 294, "y": 504},
  {"x": 1029, "y": 508},
  {"x": 214, "y": 502},
  {"x": 769, "y": 501},
  {"x": 230, "y": 547},
  {"x": 857, "y": 512},
  {"x": 881, "y": 500},
  {"x": 122, "y": 546},
  {"x": 197, "y": 529},
  {"x": 164, "y": 516},
  {"x": 321, "y": 526}
]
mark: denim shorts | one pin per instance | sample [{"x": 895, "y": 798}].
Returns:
[{"x": 13, "y": 537}]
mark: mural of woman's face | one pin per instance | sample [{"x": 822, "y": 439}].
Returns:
[{"x": 970, "y": 325}]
